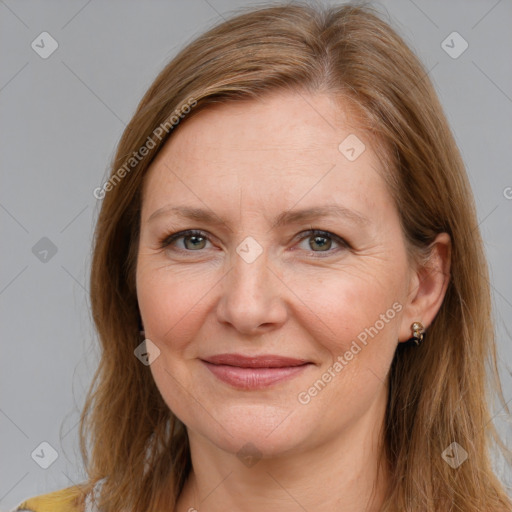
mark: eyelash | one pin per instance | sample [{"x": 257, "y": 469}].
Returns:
[{"x": 167, "y": 240}]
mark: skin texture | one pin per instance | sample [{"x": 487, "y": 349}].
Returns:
[{"x": 247, "y": 162}]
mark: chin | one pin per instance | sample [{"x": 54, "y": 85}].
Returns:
[{"x": 267, "y": 431}]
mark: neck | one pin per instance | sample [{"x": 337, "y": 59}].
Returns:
[{"x": 347, "y": 473}]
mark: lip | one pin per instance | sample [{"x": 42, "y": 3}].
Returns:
[{"x": 254, "y": 372}]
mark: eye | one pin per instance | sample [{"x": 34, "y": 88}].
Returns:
[
  {"x": 320, "y": 241},
  {"x": 192, "y": 240}
]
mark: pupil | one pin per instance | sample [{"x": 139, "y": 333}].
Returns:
[
  {"x": 195, "y": 240},
  {"x": 323, "y": 242}
]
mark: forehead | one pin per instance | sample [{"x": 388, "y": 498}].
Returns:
[{"x": 276, "y": 150}]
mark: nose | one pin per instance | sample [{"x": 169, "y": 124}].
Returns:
[{"x": 252, "y": 300}]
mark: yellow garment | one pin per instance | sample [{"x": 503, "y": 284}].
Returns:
[{"x": 70, "y": 499}]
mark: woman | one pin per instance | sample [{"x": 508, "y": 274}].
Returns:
[{"x": 289, "y": 285}]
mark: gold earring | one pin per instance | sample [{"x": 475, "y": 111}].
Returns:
[{"x": 418, "y": 332}]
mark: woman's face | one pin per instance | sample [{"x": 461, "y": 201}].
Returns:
[{"x": 272, "y": 333}]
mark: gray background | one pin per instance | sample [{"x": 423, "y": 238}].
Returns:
[{"x": 60, "y": 120}]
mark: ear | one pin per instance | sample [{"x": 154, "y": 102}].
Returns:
[{"x": 427, "y": 287}]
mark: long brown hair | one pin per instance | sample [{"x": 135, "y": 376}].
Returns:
[{"x": 439, "y": 392}]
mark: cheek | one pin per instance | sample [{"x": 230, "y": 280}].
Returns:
[
  {"x": 358, "y": 334},
  {"x": 170, "y": 303},
  {"x": 348, "y": 304}
]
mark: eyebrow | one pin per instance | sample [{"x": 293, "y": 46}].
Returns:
[{"x": 284, "y": 218}]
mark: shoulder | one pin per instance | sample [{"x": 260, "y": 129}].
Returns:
[{"x": 70, "y": 499}]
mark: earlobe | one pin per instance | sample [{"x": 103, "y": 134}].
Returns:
[{"x": 428, "y": 287}]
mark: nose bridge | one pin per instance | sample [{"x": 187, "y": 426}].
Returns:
[
  {"x": 249, "y": 270},
  {"x": 250, "y": 282},
  {"x": 250, "y": 261}
]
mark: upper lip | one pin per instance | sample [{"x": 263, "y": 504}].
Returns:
[{"x": 261, "y": 361}]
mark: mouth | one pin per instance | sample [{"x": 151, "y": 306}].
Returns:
[{"x": 254, "y": 372}]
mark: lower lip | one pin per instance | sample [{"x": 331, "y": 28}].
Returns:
[{"x": 253, "y": 378}]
